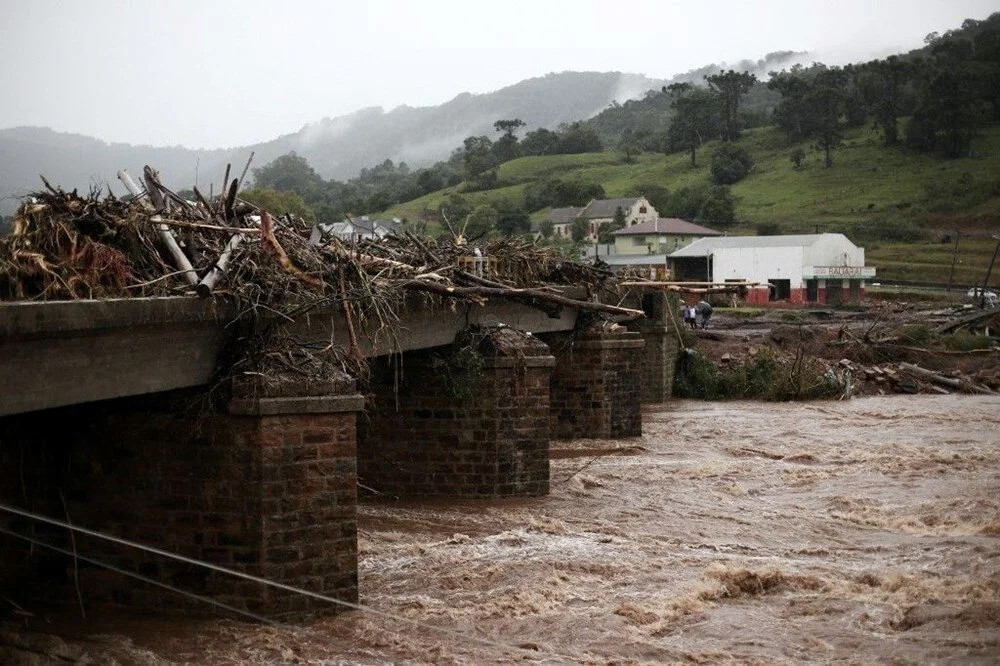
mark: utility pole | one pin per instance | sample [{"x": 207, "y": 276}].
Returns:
[
  {"x": 954, "y": 258},
  {"x": 986, "y": 281}
]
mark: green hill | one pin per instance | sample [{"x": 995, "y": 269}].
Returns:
[{"x": 877, "y": 195}]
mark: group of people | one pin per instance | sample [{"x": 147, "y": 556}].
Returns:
[{"x": 697, "y": 315}]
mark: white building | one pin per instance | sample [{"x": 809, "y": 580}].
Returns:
[{"x": 805, "y": 268}]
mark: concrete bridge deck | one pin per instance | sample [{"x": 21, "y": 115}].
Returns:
[{"x": 57, "y": 353}]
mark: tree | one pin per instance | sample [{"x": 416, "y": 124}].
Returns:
[
  {"x": 547, "y": 228},
  {"x": 952, "y": 102},
  {"x": 506, "y": 146},
  {"x": 606, "y": 232},
  {"x": 826, "y": 99},
  {"x": 480, "y": 222},
  {"x": 279, "y": 203},
  {"x": 881, "y": 85},
  {"x": 578, "y": 230},
  {"x": 477, "y": 156},
  {"x": 812, "y": 106},
  {"x": 731, "y": 86},
  {"x": 455, "y": 208},
  {"x": 630, "y": 143},
  {"x": 579, "y": 137},
  {"x": 730, "y": 164},
  {"x": 540, "y": 142},
  {"x": 796, "y": 157},
  {"x": 513, "y": 222},
  {"x": 289, "y": 173},
  {"x": 719, "y": 208},
  {"x": 696, "y": 118}
]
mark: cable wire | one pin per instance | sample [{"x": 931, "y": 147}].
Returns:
[
  {"x": 250, "y": 577},
  {"x": 138, "y": 576}
]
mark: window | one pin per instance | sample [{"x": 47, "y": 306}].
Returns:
[
  {"x": 639, "y": 241},
  {"x": 642, "y": 209}
]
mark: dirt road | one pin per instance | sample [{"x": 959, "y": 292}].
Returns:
[{"x": 858, "y": 531}]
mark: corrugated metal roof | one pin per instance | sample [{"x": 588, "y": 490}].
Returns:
[
  {"x": 667, "y": 225},
  {"x": 705, "y": 246}
]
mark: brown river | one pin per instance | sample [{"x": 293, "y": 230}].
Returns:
[{"x": 865, "y": 531}]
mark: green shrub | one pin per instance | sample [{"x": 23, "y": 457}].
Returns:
[
  {"x": 764, "y": 376},
  {"x": 914, "y": 334},
  {"x": 965, "y": 341},
  {"x": 730, "y": 164}
]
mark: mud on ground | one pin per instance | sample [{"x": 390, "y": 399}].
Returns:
[{"x": 860, "y": 531}]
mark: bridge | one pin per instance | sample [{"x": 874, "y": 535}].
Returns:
[{"x": 106, "y": 417}]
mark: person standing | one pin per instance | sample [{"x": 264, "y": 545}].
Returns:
[
  {"x": 692, "y": 317},
  {"x": 705, "y": 310}
]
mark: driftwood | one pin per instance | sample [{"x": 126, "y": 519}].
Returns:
[
  {"x": 930, "y": 376},
  {"x": 968, "y": 319},
  {"x": 181, "y": 260},
  {"x": 480, "y": 293},
  {"x": 207, "y": 284}
]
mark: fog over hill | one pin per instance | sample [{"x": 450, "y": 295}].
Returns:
[{"x": 337, "y": 147}]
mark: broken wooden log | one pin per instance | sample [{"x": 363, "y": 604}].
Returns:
[
  {"x": 931, "y": 376},
  {"x": 968, "y": 319},
  {"x": 180, "y": 259}
]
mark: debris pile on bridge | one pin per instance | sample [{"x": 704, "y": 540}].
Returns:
[{"x": 66, "y": 245}]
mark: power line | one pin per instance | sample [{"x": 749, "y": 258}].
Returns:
[
  {"x": 245, "y": 576},
  {"x": 132, "y": 574}
]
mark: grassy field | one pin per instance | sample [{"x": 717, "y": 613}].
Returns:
[{"x": 869, "y": 188}]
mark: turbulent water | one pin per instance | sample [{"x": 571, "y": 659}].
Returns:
[{"x": 858, "y": 531}]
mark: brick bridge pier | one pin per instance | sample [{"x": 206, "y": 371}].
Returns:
[{"x": 267, "y": 484}]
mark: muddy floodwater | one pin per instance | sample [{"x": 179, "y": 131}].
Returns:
[{"x": 858, "y": 531}]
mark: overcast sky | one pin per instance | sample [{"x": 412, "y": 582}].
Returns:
[{"x": 215, "y": 74}]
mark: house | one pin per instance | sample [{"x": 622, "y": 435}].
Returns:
[
  {"x": 562, "y": 221},
  {"x": 804, "y": 268},
  {"x": 636, "y": 210},
  {"x": 353, "y": 230},
  {"x": 660, "y": 236}
]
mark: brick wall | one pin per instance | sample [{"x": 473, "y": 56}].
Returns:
[
  {"x": 271, "y": 495},
  {"x": 659, "y": 355},
  {"x": 597, "y": 384},
  {"x": 438, "y": 426}
]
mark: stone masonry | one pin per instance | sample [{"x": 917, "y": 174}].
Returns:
[
  {"x": 470, "y": 420},
  {"x": 268, "y": 489},
  {"x": 596, "y": 384}
]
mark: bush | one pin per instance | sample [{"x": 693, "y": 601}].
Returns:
[
  {"x": 768, "y": 229},
  {"x": 914, "y": 334},
  {"x": 884, "y": 230},
  {"x": 730, "y": 164},
  {"x": 719, "y": 208},
  {"x": 965, "y": 341},
  {"x": 764, "y": 376}
]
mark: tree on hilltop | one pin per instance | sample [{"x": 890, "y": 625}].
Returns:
[{"x": 731, "y": 87}]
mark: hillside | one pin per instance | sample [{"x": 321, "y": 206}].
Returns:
[
  {"x": 873, "y": 193},
  {"x": 336, "y": 147}
]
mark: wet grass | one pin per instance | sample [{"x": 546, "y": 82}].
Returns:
[{"x": 872, "y": 192}]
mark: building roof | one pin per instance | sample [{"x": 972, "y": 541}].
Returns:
[
  {"x": 564, "y": 215},
  {"x": 667, "y": 225},
  {"x": 705, "y": 246},
  {"x": 634, "y": 259},
  {"x": 606, "y": 207}
]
